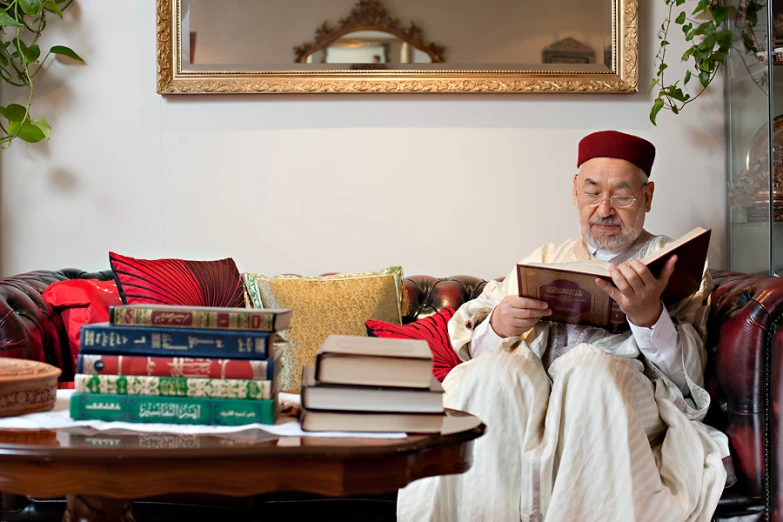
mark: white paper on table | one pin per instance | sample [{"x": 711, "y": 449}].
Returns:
[{"x": 59, "y": 417}]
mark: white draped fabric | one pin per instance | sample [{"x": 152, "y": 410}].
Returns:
[{"x": 602, "y": 435}]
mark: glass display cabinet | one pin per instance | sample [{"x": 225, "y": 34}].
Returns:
[{"x": 754, "y": 98}]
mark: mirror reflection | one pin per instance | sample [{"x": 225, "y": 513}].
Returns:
[
  {"x": 369, "y": 47},
  {"x": 573, "y": 35}
]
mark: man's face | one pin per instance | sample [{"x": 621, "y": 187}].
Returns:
[{"x": 605, "y": 226}]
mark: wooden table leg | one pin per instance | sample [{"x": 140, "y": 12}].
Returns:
[{"x": 87, "y": 508}]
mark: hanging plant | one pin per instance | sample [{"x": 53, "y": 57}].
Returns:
[
  {"x": 710, "y": 43},
  {"x": 22, "y": 22}
]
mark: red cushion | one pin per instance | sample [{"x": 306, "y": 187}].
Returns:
[
  {"x": 80, "y": 302},
  {"x": 433, "y": 329},
  {"x": 177, "y": 281}
]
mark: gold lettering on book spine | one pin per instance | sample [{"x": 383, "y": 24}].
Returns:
[{"x": 256, "y": 320}]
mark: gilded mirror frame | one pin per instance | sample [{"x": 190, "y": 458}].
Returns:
[{"x": 623, "y": 78}]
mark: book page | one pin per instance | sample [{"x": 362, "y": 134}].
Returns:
[{"x": 594, "y": 267}]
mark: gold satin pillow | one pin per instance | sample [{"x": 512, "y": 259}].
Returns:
[{"x": 323, "y": 305}]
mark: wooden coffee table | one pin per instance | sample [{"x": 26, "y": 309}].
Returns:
[{"x": 102, "y": 472}]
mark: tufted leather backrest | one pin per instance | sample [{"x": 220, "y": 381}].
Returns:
[
  {"x": 428, "y": 295},
  {"x": 743, "y": 375},
  {"x": 29, "y": 328}
]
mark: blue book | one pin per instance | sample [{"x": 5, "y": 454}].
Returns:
[{"x": 107, "y": 339}]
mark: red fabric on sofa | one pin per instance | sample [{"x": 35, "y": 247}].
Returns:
[
  {"x": 80, "y": 302},
  {"x": 433, "y": 329},
  {"x": 178, "y": 281}
]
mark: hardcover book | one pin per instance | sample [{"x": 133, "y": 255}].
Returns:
[
  {"x": 171, "y": 410},
  {"x": 252, "y": 369},
  {"x": 574, "y": 297},
  {"x": 371, "y": 422},
  {"x": 374, "y": 361},
  {"x": 318, "y": 396},
  {"x": 174, "y": 386},
  {"x": 253, "y": 319},
  {"x": 104, "y": 338}
]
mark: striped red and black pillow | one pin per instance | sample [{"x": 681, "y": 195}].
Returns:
[
  {"x": 433, "y": 329},
  {"x": 177, "y": 281}
]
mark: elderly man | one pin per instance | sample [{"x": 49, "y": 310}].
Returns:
[{"x": 585, "y": 425}]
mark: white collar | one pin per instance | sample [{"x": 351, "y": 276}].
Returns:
[{"x": 602, "y": 255}]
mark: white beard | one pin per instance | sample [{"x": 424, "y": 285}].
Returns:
[{"x": 613, "y": 243}]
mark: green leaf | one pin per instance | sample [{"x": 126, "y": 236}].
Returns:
[
  {"x": 656, "y": 108},
  {"x": 724, "y": 39},
  {"x": 701, "y": 6},
  {"x": 752, "y": 17},
  {"x": 44, "y": 126},
  {"x": 704, "y": 78},
  {"x": 31, "y": 7},
  {"x": 662, "y": 68},
  {"x": 679, "y": 2},
  {"x": 687, "y": 54},
  {"x": 687, "y": 77},
  {"x": 677, "y": 94},
  {"x": 13, "y": 128},
  {"x": 31, "y": 134},
  {"x": 675, "y": 110},
  {"x": 653, "y": 83},
  {"x": 53, "y": 8},
  {"x": 719, "y": 14},
  {"x": 7, "y": 20},
  {"x": 65, "y": 51},
  {"x": 680, "y": 19},
  {"x": 15, "y": 113},
  {"x": 32, "y": 53},
  {"x": 664, "y": 43}
]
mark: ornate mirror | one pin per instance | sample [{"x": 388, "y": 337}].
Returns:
[{"x": 350, "y": 46}]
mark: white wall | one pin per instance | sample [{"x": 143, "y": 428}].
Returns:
[{"x": 440, "y": 184}]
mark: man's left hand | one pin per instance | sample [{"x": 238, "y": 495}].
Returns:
[{"x": 637, "y": 291}]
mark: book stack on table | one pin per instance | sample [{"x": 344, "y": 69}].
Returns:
[
  {"x": 371, "y": 384},
  {"x": 180, "y": 365}
]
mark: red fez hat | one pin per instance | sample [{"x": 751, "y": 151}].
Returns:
[{"x": 613, "y": 144}]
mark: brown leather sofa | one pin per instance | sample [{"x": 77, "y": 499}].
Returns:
[{"x": 745, "y": 349}]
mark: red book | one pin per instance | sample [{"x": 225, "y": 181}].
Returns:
[
  {"x": 176, "y": 367},
  {"x": 573, "y": 296}
]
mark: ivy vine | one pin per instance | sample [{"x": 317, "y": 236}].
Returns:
[
  {"x": 22, "y": 22},
  {"x": 710, "y": 40}
]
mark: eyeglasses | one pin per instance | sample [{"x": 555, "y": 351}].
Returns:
[{"x": 593, "y": 200}]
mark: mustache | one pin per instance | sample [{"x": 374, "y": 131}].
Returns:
[{"x": 608, "y": 220}]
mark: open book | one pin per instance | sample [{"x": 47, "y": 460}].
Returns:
[{"x": 573, "y": 296}]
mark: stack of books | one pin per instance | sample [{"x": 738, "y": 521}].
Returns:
[
  {"x": 371, "y": 384},
  {"x": 180, "y": 365}
]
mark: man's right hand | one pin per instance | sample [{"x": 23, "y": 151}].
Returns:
[{"x": 515, "y": 315}]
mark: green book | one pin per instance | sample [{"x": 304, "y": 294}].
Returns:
[
  {"x": 195, "y": 387},
  {"x": 172, "y": 410}
]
